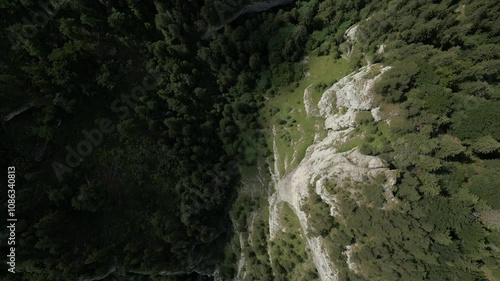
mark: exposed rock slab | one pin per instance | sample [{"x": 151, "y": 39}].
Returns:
[
  {"x": 323, "y": 163},
  {"x": 351, "y": 94}
]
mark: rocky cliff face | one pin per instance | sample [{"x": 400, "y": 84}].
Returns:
[
  {"x": 323, "y": 162},
  {"x": 352, "y": 94}
]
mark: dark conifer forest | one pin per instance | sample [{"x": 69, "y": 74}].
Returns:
[{"x": 130, "y": 125}]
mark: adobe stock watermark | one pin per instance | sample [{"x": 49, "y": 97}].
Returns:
[
  {"x": 93, "y": 138},
  {"x": 48, "y": 10}
]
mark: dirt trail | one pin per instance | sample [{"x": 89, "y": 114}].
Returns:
[{"x": 241, "y": 261}]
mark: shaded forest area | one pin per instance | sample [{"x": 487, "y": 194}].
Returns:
[
  {"x": 153, "y": 196},
  {"x": 153, "y": 193}
]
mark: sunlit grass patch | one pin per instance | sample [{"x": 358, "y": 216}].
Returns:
[{"x": 294, "y": 129}]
